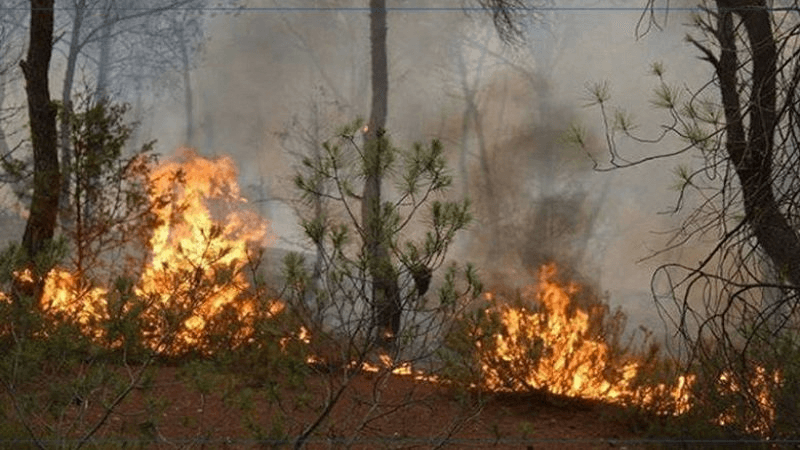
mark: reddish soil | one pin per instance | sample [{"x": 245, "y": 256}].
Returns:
[{"x": 375, "y": 411}]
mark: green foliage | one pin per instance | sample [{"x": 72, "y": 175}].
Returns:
[
  {"x": 329, "y": 183},
  {"x": 108, "y": 212},
  {"x": 331, "y": 295}
]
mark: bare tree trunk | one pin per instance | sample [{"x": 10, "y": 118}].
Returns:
[
  {"x": 104, "y": 62},
  {"x": 137, "y": 114},
  {"x": 208, "y": 120},
  {"x": 751, "y": 150},
  {"x": 66, "y": 101},
  {"x": 312, "y": 294},
  {"x": 472, "y": 117},
  {"x": 385, "y": 290},
  {"x": 4, "y": 149},
  {"x": 187, "y": 90},
  {"x": 84, "y": 214},
  {"x": 41, "y": 223}
]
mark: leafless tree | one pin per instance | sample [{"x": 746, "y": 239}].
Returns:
[
  {"x": 735, "y": 310},
  {"x": 12, "y": 32}
]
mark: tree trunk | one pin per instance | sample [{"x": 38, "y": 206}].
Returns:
[
  {"x": 104, "y": 61},
  {"x": 66, "y": 101},
  {"x": 187, "y": 88},
  {"x": 751, "y": 151},
  {"x": 41, "y": 223},
  {"x": 385, "y": 291},
  {"x": 472, "y": 118},
  {"x": 4, "y": 149}
]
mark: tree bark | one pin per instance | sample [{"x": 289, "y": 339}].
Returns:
[
  {"x": 187, "y": 86},
  {"x": 66, "y": 102},
  {"x": 104, "y": 60},
  {"x": 385, "y": 290},
  {"x": 41, "y": 223},
  {"x": 751, "y": 150}
]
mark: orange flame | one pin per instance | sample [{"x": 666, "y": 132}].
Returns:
[
  {"x": 199, "y": 247},
  {"x": 759, "y": 389},
  {"x": 554, "y": 349},
  {"x": 201, "y": 244},
  {"x": 67, "y": 294}
]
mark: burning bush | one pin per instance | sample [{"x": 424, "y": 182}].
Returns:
[
  {"x": 153, "y": 263},
  {"x": 156, "y": 253},
  {"x": 537, "y": 339},
  {"x": 540, "y": 340}
]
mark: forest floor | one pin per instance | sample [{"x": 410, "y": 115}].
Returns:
[{"x": 182, "y": 409}]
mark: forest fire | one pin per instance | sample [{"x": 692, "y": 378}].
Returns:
[
  {"x": 549, "y": 344},
  {"x": 201, "y": 242}
]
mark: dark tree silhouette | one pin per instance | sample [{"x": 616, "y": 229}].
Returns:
[
  {"x": 42, "y": 113},
  {"x": 735, "y": 310}
]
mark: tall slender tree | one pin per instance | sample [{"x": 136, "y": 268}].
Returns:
[
  {"x": 41, "y": 224},
  {"x": 385, "y": 291}
]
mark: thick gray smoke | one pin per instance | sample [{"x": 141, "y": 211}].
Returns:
[{"x": 501, "y": 112}]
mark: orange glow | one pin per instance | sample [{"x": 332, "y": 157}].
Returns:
[
  {"x": 66, "y": 294},
  {"x": 759, "y": 390},
  {"x": 552, "y": 348},
  {"x": 203, "y": 237},
  {"x": 403, "y": 369},
  {"x": 197, "y": 253}
]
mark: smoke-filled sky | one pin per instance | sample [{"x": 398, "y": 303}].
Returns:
[
  {"x": 265, "y": 72},
  {"x": 263, "y": 69}
]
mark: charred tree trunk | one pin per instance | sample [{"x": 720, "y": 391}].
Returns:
[
  {"x": 41, "y": 223},
  {"x": 751, "y": 150},
  {"x": 385, "y": 290}
]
